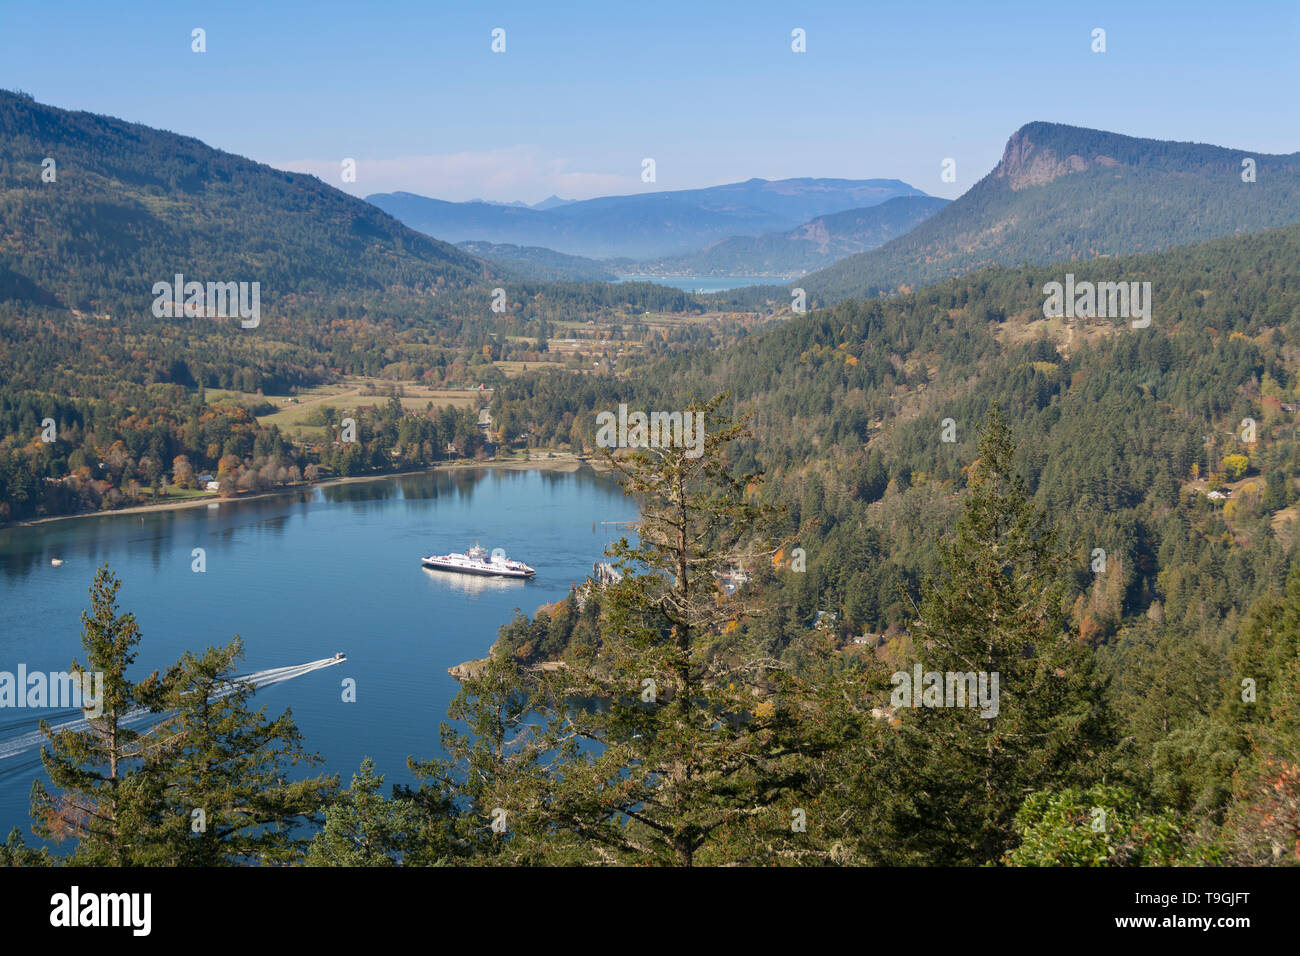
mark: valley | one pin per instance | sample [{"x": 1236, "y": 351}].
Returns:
[{"x": 857, "y": 514}]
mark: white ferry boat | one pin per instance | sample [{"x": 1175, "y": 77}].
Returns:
[{"x": 477, "y": 561}]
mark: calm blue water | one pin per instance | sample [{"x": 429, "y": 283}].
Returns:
[
  {"x": 300, "y": 577},
  {"x": 706, "y": 283}
]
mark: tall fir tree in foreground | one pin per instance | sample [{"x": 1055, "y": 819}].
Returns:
[
  {"x": 224, "y": 770},
  {"x": 480, "y": 803},
  {"x": 997, "y": 608},
  {"x": 206, "y": 783},
  {"x": 103, "y": 793},
  {"x": 685, "y": 738}
]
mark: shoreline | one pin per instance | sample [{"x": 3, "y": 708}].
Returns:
[{"x": 564, "y": 461}]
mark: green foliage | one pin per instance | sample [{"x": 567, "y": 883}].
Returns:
[
  {"x": 996, "y": 610},
  {"x": 485, "y": 800},
  {"x": 116, "y": 453},
  {"x": 1112, "y": 424},
  {"x": 130, "y": 202},
  {"x": 961, "y": 556},
  {"x": 1100, "y": 826},
  {"x": 206, "y": 785},
  {"x": 1261, "y": 705},
  {"x": 669, "y": 741},
  {"x": 222, "y": 771},
  {"x": 535, "y": 262},
  {"x": 362, "y": 828},
  {"x": 15, "y": 852},
  {"x": 102, "y": 796}
]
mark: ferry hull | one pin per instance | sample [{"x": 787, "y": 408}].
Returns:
[{"x": 482, "y": 571}]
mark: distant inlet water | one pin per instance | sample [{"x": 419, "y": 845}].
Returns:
[
  {"x": 707, "y": 283},
  {"x": 301, "y": 577}
]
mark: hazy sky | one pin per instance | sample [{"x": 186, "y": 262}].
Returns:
[{"x": 711, "y": 91}]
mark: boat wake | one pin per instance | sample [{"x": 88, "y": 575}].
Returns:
[{"x": 28, "y": 741}]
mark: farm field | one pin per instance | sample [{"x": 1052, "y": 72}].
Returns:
[{"x": 293, "y": 411}]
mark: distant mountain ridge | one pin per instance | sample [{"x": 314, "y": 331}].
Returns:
[
  {"x": 811, "y": 245},
  {"x": 1063, "y": 193},
  {"x": 643, "y": 225}
]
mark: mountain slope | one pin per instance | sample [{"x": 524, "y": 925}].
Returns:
[
  {"x": 644, "y": 225},
  {"x": 813, "y": 245},
  {"x": 1065, "y": 193},
  {"x": 539, "y": 263},
  {"x": 131, "y": 206}
]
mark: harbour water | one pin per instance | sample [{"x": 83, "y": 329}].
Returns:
[{"x": 301, "y": 577}]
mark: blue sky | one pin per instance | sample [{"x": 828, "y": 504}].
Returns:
[{"x": 711, "y": 91}]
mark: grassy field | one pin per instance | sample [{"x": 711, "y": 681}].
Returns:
[
  {"x": 515, "y": 369},
  {"x": 229, "y": 396},
  {"x": 292, "y": 411},
  {"x": 178, "y": 494}
]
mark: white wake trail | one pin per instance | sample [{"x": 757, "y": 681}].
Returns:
[{"x": 32, "y": 740}]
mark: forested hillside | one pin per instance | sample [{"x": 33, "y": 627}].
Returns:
[
  {"x": 1121, "y": 431},
  {"x": 129, "y": 206},
  {"x": 539, "y": 263}
]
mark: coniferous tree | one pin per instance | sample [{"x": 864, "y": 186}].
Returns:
[
  {"x": 697, "y": 735},
  {"x": 104, "y": 795},
  {"x": 1262, "y": 706},
  {"x": 996, "y": 610},
  {"x": 15, "y": 852},
  {"x": 222, "y": 770},
  {"x": 362, "y": 828},
  {"x": 479, "y": 804}
]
